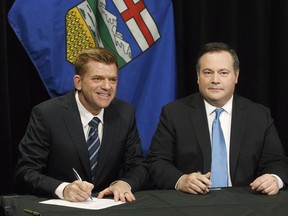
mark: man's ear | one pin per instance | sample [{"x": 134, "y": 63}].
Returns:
[{"x": 77, "y": 82}]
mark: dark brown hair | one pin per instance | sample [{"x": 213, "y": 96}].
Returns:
[{"x": 217, "y": 47}]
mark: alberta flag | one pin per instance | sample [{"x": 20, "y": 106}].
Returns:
[{"x": 139, "y": 32}]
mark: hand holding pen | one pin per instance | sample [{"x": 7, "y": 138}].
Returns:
[
  {"x": 78, "y": 190},
  {"x": 79, "y": 178}
]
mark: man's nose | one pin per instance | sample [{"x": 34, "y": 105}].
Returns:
[
  {"x": 106, "y": 84},
  {"x": 215, "y": 78}
]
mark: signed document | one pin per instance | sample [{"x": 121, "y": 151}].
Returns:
[{"x": 94, "y": 204}]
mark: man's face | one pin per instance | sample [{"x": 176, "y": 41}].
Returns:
[
  {"x": 217, "y": 78},
  {"x": 97, "y": 86}
]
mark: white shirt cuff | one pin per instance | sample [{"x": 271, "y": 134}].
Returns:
[
  {"x": 122, "y": 181},
  {"x": 176, "y": 185},
  {"x": 59, "y": 190},
  {"x": 280, "y": 182}
]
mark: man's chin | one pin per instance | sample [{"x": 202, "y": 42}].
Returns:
[
  {"x": 214, "y": 101},
  {"x": 104, "y": 104}
]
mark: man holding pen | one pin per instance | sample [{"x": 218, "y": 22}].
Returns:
[{"x": 87, "y": 129}]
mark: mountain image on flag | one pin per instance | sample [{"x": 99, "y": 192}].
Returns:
[{"x": 139, "y": 32}]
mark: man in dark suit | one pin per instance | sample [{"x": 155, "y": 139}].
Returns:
[
  {"x": 180, "y": 155},
  {"x": 55, "y": 140}
]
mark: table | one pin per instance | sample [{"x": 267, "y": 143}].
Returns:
[{"x": 228, "y": 201}]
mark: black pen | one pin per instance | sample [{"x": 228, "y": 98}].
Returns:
[
  {"x": 32, "y": 212},
  {"x": 79, "y": 178}
]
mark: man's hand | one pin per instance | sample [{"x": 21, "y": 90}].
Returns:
[
  {"x": 78, "y": 191},
  {"x": 195, "y": 183},
  {"x": 266, "y": 184},
  {"x": 121, "y": 191}
]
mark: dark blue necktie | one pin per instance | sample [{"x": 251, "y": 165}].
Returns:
[
  {"x": 93, "y": 143},
  {"x": 219, "y": 175}
]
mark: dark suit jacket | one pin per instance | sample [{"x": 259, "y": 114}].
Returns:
[
  {"x": 54, "y": 143},
  {"x": 181, "y": 143}
]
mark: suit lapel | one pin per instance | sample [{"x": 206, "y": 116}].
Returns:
[
  {"x": 200, "y": 123},
  {"x": 75, "y": 129},
  {"x": 237, "y": 131},
  {"x": 107, "y": 139}
]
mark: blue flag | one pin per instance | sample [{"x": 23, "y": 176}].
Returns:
[{"x": 139, "y": 32}]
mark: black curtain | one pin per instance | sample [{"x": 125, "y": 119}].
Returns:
[
  {"x": 256, "y": 29},
  {"x": 21, "y": 89}
]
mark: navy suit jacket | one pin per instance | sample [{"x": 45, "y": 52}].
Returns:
[
  {"x": 54, "y": 143},
  {"x": 181, "y": 143}
]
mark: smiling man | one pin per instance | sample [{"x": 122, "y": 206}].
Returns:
[
  {"x": 88, "y": 131},
  {"x": 215, "y": 138}
]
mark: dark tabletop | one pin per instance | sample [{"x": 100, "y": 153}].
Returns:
[{"x": 228, "y": 201}]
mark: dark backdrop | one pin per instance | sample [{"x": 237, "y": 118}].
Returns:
[{"x": 257, "y": 29}]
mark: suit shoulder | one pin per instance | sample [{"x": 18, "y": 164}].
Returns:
[
  {"x": 120, "y": 102},
  {"x": 121, "y": 105},
  {"x": 249, "y": 104},
  {"x": 188, "y": 101},
  {"x": 56, "y": 102}
]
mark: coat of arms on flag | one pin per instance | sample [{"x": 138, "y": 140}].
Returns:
[{"x": 90, "y": 25}]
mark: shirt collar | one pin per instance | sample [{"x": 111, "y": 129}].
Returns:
[
  {"x": 227, "y": 107},
  {"x": 85, "y": 115}
]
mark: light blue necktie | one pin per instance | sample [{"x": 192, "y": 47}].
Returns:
[
  {"x": 219, "y": 175},
  {"x": 93, "y": 144}
]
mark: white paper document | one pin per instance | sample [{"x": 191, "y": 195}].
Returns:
[{"x": 95, "y": 204}]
